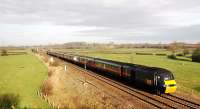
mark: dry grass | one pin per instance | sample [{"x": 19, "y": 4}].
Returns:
[
  {"x": 50, "y": 72},
  {"x": 55, "y": 63},
  {"x": 46, "y": 89},
  {"x": 45, "y": 58},
  {"x": 70, "y": 93},
  {"x": 66, "y": 92}
]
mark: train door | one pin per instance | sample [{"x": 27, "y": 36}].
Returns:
[
  {"x": 157, "y": 80},
  {"x": 133, "y": 73},
  {"x": 157, "y": 83},
  {"x": 124, "y": 71}
]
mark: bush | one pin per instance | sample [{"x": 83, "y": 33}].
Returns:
[
  {"x": 172, "y": 56},
  {"x": 4, "y": 52},
  {"x": 9, "y": 101},
  {"x": 186, "y": 51},
  {"x": 196, "y": 55},
  {"x": 34, "y": 50}
]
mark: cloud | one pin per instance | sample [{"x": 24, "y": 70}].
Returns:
[{"x": 121, "y": 20}]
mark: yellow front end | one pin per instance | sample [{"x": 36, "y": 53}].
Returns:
[{"x": 170, "y": 86}]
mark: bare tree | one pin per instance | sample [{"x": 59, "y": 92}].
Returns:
[{"x": 175, "y": 47}]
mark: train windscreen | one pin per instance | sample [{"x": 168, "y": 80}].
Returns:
[{"x": 168, "y": 77}]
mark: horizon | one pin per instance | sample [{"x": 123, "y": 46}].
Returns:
[{"x": 52, "y": 44}]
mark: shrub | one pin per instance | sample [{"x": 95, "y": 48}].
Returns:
[
  {"x": 4, "y": 52},
  {"x": 196, "y": 55},
  {"x": 9, "y": 101},
  {"x": 34, "y": 50},
  {"x": 172, "y": 56},
  {"x": 185, "y": 52}
]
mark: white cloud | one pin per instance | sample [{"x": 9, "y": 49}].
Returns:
[{"x": 98, "y": 20}]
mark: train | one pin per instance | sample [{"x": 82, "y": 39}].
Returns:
[{"x": 161, "y": 80}]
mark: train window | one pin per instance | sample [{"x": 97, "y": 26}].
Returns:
[
  {"x": 166, "y": 78},
  {"x": 172, "y": 76},
  {"x": 99, "y": 64}
]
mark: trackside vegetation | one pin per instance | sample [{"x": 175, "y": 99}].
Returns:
[
  {"x": 196, "y": 55},
  {"x": 8, "y": 101}
]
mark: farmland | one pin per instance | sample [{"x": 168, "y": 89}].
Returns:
[
  {"x": 186, "y": 72},
  {"x": 23, "y": 75}
]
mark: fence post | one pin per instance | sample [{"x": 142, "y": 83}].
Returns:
[{"x": 65, "y": 68}]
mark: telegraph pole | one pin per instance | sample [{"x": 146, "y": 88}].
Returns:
[{"x": 85, "y": 69}]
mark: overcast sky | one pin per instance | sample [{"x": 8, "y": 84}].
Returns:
[{"x": 30, "y": 22}]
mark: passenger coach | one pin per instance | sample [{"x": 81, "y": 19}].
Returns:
[{"x": 159, "y": 79}]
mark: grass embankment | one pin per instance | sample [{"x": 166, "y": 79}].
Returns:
[
  {"x": 23, "y": 75},
  {"x": 187, "y": 73}
]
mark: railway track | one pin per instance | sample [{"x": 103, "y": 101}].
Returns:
[
  {"x": 165, "y": 101},
  {"x": 185, "y": 102}
]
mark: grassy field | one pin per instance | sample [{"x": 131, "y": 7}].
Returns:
[
  {"x": 187, "y": 73},
  {"x": 23, "y": 75}
]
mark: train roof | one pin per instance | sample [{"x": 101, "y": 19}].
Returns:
[
  {"x": 125, "y": 64},
  {"x": 137, "y": 66},
  {"x": 163, "y": 71},
  {"x": 107, "y": 62}
]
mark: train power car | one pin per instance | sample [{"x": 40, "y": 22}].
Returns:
[{"x": 161, "y": 80}]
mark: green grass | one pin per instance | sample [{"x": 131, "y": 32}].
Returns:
[
  {"x": 23, "y": 75},
  {"x": 187, "y": 73},
  {"x": 121, "y": 50}
]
